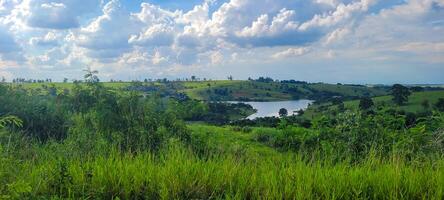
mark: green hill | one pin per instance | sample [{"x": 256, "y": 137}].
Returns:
[
  {"x": 237, "y": 90},
  {"x": 413, "y": 105}
]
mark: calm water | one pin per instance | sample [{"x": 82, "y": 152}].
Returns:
[{"x": 270, "y": 109}]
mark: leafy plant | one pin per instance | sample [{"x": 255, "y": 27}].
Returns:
[{"x": 10, "y": 120}]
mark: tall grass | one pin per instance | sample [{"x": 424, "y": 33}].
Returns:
[{"x": 177, "y": 173}]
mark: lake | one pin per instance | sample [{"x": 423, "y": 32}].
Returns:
[{"x": 270, "y": 109}]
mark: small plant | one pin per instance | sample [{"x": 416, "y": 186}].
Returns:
[{"x": 10, "y": 120}]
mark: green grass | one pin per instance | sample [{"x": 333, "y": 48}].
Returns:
[
  {"x": 179, "y": 174},
  {"x": 229, "y": 140},
  {"x": 413, "y": 105},
  {"x": 349, "y": 90}
]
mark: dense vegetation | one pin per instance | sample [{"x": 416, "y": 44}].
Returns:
[{"x": 149, "y": 141}]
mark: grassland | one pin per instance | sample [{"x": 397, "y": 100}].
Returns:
[
  {"x": 413, "y": 105},
  {"x": 240, "y": 170}
]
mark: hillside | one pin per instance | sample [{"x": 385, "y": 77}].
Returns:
[
  {"x": 236, "y": 90},
  {"x": 272, "y": 91},
  {"x": 413, "y": 105}
]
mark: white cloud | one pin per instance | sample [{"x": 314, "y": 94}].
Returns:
[
  {"x": 158, "y": 59},
  {"x": 152, "y": 14},
  {"x": 156, "y": 35},
  {"x": 66, "y": 34},
  {"x": 280, "y": 24},
  {"x": 291, "y": 52},
  {"x": 50, "y": 39},
  {"x": 342, "y": 12},
  {"x": 104, "y": 37},
  {"x": 336, "y": 35},
  {"x": 53, "y": 15},
  {"x": 199, "y": 15},
  {"x": 332, "y": 3}
]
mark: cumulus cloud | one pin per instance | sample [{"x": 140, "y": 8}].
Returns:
[
  {"x": 66, "y": 34},
  {"x": 342, "y": 12},
  {"x": 291, "y": 52},
  {"x": 156, "y": 35},
  {"x": 336, "y": 35},
  {"x": 101, "y": 32},
  {"x": 49, "y": 14},
  {"x": 409, "y": 24},
  {"x": 50, "y": 39},
  {"x": 282, "y": 22}
]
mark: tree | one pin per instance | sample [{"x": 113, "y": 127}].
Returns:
[
  {"x": 193, "y": 78},
  {"x": 365, "y": 103},
  {"x": 65, "y": 80},
  {"x": 91, "y": 76},
  {"x": 300, "y": 112},
  {"x": 440, "y": 104},
  {"x": 230, "y": 78},
  {"x": 283, "y": 112},
  {"x": 400, "y": 94}
]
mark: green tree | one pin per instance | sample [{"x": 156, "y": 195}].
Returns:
[
  {"x": 400, "y": 94},
  {"x": 283, "y": 112},
  {"x": 365, "y": 103}
]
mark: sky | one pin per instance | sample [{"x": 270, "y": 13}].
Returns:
[{"x": 347, "y": 41}]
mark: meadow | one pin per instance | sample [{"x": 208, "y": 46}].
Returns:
[
  {"x": 413, "y": 105},
  {"x": 135, "y": 141}
]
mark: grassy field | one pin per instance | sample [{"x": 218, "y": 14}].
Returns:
[
  {"x": 238, "y": 168},
  {"x": 413, "y": 105},
  {"x": 229, "y": 139}
]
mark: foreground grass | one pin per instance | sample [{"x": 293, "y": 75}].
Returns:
[{"x": 179, "y": 174}]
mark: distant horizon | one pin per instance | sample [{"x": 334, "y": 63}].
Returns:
[{"x": 200, "y": 79}]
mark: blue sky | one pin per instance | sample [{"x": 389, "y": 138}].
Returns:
[{"x": 350, "y": 41}]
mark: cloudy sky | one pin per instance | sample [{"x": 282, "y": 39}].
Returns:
[{"x": 351, "y": 41}]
